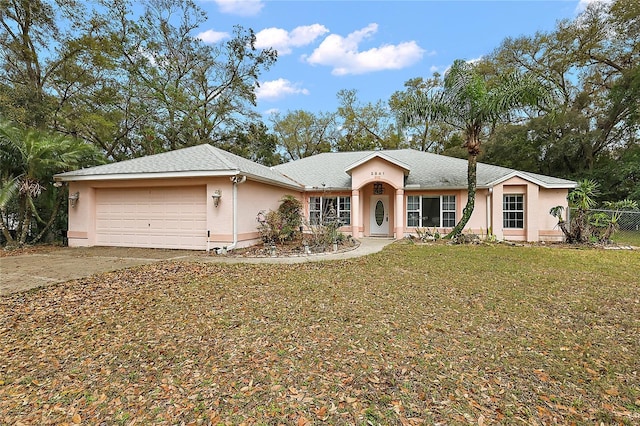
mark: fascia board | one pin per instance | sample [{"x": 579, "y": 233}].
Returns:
[
  {"x": 138, "y": 176},
  {"x": 532, "y": 180},
  {"x": 370, "y": 157},
  {"x": 262, "y": 179}
]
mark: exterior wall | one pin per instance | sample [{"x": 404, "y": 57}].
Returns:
[
  {"x": 255, "y": 196},
  {"x": 377, "y": 170},
  {"x": 220, "y": 219},
  {"x": 478, "y": 223},
  {"x": 252, "y": 197},
  {"x": 363, "y": 178},
  {"x": 81, "y": 231},
  {"x": 547, "y": 224},
  {"x": 539, "y": 225}
]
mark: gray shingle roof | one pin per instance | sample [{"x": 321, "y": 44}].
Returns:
[
  {"x": 427, "y": 170},
  {"x": 201, "y": 160},
  {"x": 327, "y": 170}
]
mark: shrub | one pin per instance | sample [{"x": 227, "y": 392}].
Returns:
[
  {"x": 588, "y": 226},
  {"x": 283, "y": 224}
]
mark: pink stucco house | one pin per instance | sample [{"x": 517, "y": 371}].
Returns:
[{"x": 202, "y": 196}]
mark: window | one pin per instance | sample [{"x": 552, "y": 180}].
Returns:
[
  {"x": 413, "y": 210},
  {"x": 323, "y": 209},
  {"x": 429, "y": 211},
  {"x": 513, "y": 211},
  {"x": 448, "y": 211}
]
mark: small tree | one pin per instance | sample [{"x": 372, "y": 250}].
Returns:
[
  {"x": 290, "y": 210},
  {"x": 472, "y": 102},
  {"x": 581, "y": 200},
  {"x": 283, "y": 224},
  {"x": 29, "y": 158},
  {"x": 587, "y": 226}
]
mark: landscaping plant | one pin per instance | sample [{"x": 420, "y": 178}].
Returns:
[
  {"x": 586, "y": 225},
  {"x": 283, "y": 224}
]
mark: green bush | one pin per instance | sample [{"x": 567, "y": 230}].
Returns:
[{"x": 283, "y": 224}]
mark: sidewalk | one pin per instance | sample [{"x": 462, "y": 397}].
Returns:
[{"x": 367, "y": 246}]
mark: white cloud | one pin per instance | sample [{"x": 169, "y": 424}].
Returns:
[
  {"x": 468, "y": 61},
  {"x": 278, "y": 89},
  {"x": 343, "y": 55},
  {"x": 583, "y": 4},
  {"x": 283, "y": 41},
  {"x": 270, "y": 112},
  {"x": 211, "y": 36},
  {"x": 240, "y": 7}
]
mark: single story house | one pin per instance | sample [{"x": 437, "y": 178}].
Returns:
[{"x": 202, "y": 196}]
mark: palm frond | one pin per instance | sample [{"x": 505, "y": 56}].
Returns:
[{"x": 8, "y": 190}]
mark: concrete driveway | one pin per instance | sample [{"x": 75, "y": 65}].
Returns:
[{"x": 52, "y": 265}]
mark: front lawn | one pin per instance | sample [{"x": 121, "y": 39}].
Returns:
[
  {"x": 414, "y": 334},
  {"x": 627, "y": 238}
]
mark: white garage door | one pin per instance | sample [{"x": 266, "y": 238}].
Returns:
[{"x": 173, "y": 217}]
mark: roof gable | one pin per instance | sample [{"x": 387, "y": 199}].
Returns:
[
  {"x": 378, "y": 154},
  {"x": 548, "y": 182}
]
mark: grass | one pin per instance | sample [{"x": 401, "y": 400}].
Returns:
[
  {"x": 417, "y": 334},
  {"x": 631, "y": 238}
]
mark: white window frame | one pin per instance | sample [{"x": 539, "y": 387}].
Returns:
[
  {"x": 511, "y": 214},
  {"x": 319, "y": 206},
  {"x": 447, "y": 205}
]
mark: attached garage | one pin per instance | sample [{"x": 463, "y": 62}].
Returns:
[
  {"x": 201, "y": 197},
  {"x": 163, "y": 217}
]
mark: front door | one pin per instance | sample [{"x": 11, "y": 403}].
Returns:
[{"x": 379, "y": 216}]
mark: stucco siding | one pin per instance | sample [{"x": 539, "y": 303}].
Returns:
[
  {"x": 377, "y": 170},
  {"x": 254, "y": 197},
  {"x": 548, "y": 225}
]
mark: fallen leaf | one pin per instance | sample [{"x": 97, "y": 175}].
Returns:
[
  {"x": 542, "y": 375},
  {"x": 613, "y": 391},
  {"x": 592, "y": 372},
  {"x": 321, "y": 412},
  {"x": 76, "y": 419}
]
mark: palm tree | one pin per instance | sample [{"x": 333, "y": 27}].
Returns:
[
  {"x": 28, "y": 160},
  {"x": 471, "y": 102}
]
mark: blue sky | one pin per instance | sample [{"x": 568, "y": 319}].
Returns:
[{"x": 373, "y": 47}]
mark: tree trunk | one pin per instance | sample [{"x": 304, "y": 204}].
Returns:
[
  {"x": 26, "y": 225},
  {"x": 471, "y": 200},
  {"x": 54, "y": 214},
  {"x": 565, "y": 230},
  {"x": 5, "y": 231}
]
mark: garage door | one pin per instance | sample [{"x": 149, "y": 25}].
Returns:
[{"x": 173, "y": 217}]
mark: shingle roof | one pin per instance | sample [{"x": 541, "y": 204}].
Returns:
[
  {"x": 426, "y": 170},
  {"x": 200, "y": 160},
  {"x": 327, "y": 170}
]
